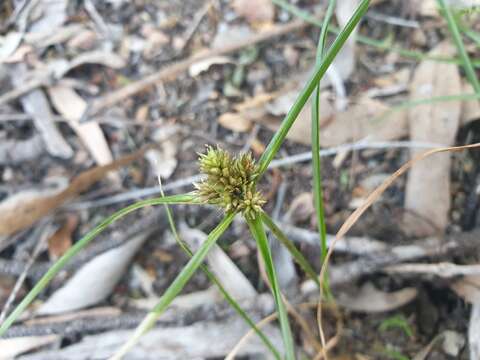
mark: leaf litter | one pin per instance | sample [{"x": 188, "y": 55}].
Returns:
[{"x": 357, "y": 104}]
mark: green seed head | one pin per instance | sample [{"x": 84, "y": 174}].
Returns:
[{"x": 230, "y": 182}]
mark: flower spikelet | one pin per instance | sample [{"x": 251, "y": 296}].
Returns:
[{"x": 230, "y": 182}]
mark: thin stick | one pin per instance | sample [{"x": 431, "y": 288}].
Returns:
[
  {"x": 173, "y": 70},
  {"x": 286, "y": 161}
]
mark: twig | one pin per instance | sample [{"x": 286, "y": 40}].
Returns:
[
  {"x": 173, "y": 70},
  {"x": 289, "y": 160},
  {"x": 97, "y": 18},
  {"x": 23, "y": 89},
  {"x": 134, "y": 194},
  {"x": 393, "y": 20},
  {"x": 349, "y": 244},
  {"x": 444, "y": 270},
  {"x": 359, "y": 145},
  {"x": 109, "y": 240},
  {"x": 188, "y": 34},
  {"x": 376, "y": 261},
  {"x": 83, "y": 325},
  {"x": 79, "y": 326}
]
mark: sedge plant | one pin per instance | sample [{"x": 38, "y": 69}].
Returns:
[
  {"x": 315, "y": 133},
  {"x": 230, "y": 183}
]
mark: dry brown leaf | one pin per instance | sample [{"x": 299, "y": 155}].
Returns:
[
  {"x": 230, "y": 34},
  {"x": 105, "y": 58},
  {"x": 428, "y": 187},
  {"x": 344, "y": 62},
  {"x": 49, "y": 37},
  {"x": 252, "y": 109},
  {"x": 19, "y": 54},
  {"x": 61, "y": 240},
  {"x": 71, "y": 106},
  {"x": 54, "y": 14},
  {"x": 203, "y": 65},
  {"x": 235, "y": 282},
  {"x": 358, "y": 122},
  {"x": 83, "y": 40},
  {"x": 468, "y": 288},
  {"x": 255, "y": 11},
  {"x": 363, "y": 119},
  {"x": 35, "y": 104},
  {"x": 9, "y": 45},
  {"x": 20, "y": 211},
  {"x": 95, "y": 280},
  {"x": 369, "y": 299},
  {"x": 235, "y": 122}
]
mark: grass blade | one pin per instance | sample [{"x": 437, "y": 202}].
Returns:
[
  {"x": 431, "y": 100},
  {"x": 320, "y": 70},
  {"x": 473, "y": 35},
  {"x": 211, "y": 276},
  {"x": 365, "y": 40},
  {"x": 297, "y": 255},
  {"x": 317, "y": 169},
  {"x": 258, "y": 233},
  {"x": 177, "y": 285},
  {"x": 79, "y": 245},
  {"x": 457, "y": 38}
]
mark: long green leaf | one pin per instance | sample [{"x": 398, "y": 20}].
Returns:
[
  {"x": 379, "y": 44},
  {"x": 211, "y": 276},
  {"x": 79, "y": 245},
  {"x": 177, "y": 285},
  {"x": 317, "y": 168},
  {"x": 320, "y": 70},
  {"x": 258, "y": 233},
  {"x": 297, "y": 255},
  {"x": 457, "y": 38}
]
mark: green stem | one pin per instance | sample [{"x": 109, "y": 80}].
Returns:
[
  {"x": 457, "y": 38},
  {"x": 177, "y": 285},
  {"x": 317, "y": 168},
  {"x": 79, "y": 245},
  {"x": 297, "y": 255},
  {"x": 258, "y": 233},
  {"x": 236, "y": 306},
  {"x": 320, "y": 70}
]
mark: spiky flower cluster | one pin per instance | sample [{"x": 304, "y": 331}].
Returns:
[{"x": 230, "y": 182}]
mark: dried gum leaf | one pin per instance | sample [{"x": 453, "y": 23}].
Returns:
[
  {"x": 19, "y": 211},
  {"x": 428, "y": 187}
]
